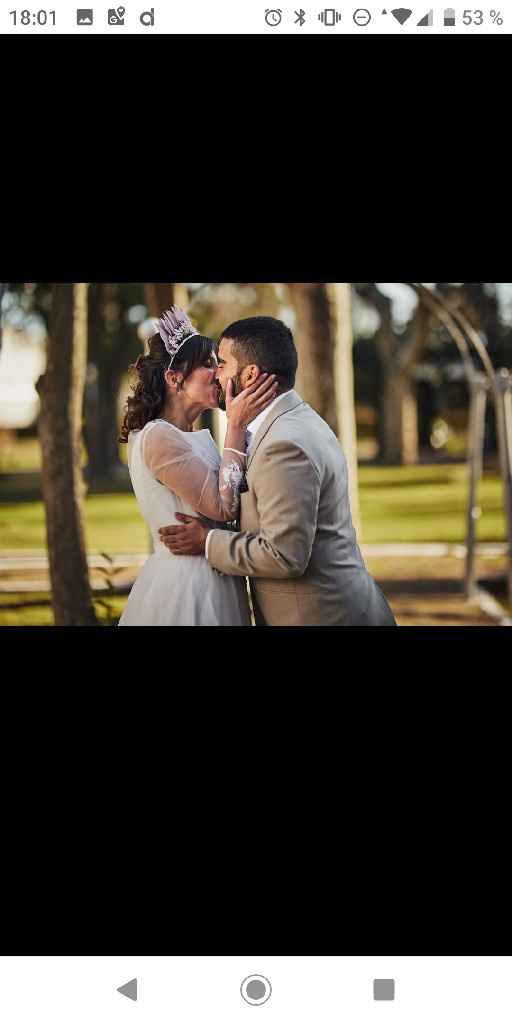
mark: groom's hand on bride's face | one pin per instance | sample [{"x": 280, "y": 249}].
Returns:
[{"x": 189, "y": 539}]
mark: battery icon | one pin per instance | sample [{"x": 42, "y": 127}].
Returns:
[{"x": 449, "y": 18}]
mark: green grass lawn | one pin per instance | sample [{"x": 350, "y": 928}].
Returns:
[
  {"x": 36, "y": 610},
  {"x": 426, "y": 503},
  {"x": 112, "y": 524},
  {"x": 402, "y": 504}
]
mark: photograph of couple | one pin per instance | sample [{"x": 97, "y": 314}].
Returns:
[
  {"x": 273, "y": 511},
  {"x": 285, "y": 454}
]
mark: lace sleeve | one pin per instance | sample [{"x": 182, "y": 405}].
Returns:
[{"x": 171, "y": 459}]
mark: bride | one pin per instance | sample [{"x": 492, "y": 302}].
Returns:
[{"x": 175, "y": 469}]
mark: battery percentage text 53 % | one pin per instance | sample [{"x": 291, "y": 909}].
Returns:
[{"x": 478, "y": 18}]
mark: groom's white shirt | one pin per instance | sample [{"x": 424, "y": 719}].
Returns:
[{"x": 252, "y": 429}]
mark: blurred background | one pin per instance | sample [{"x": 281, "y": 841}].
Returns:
[{"x": 413, "y": 379}]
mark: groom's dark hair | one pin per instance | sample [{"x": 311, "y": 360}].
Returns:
[{"x": 268, "y": 343}]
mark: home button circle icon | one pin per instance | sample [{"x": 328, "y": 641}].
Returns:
[{"x": 256, "y": 990}]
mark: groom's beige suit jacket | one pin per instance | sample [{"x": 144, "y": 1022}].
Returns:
[{"x": 296, "y": 541}]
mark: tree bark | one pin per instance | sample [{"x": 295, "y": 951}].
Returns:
[
  {"x": 102, "y": 388},
  {"x": 3, "y": 289},
  {"x": 314, "y": 337},
  {"x": 112, "y": 345},
  {"x": 398, "y": 410},
  {"x": 410, "y": 423},
  {"x": 101, "y": 423},
  {"x": 60, "y": 430},
  {"x": 341, "y": 296},
  {"x": 159, "y": 297},
  {"x": 398, "y": 421}
]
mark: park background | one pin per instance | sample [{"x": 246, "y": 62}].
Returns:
[{"x": 401, "y": 372}]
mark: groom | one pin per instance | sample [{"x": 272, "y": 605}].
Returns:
[{"x": 296, "y": 541}]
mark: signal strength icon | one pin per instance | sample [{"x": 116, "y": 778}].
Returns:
[
  {"x": 427, "y": 21},
  {"x": 402, "y": 15}
]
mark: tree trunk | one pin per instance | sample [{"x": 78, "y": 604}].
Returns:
[
  {"x": 113, "y": 345},
  {"x": 60, "y": 430},
  {"x": 398, "y": 355},
  {"x": 341, "y": 295},
  {"x": 398, "y": 420},
  {"x": 410, "y": 424},
  {"x": 102, "y": 426},
  {"x": 101, "y": 391},
  {"x": 3, "y": 289},
  {"x": 159, "y": 297},
  {"x": 314, "y": 337}
]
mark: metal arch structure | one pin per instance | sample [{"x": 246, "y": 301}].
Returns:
[
  {"x": 498, "y": 384},
  {"x": 501, "y": 384}
]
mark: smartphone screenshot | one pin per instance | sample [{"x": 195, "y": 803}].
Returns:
[{"x": 257, "y": 989}]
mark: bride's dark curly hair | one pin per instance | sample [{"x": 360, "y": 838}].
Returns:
[{"x": 149, "y": 390}]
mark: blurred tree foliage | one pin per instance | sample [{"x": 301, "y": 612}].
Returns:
[
  {"x": 407, "y": 372},
  {"x": 398, "y": 353},
  {"x": 113, "y": 344},
  {"x": 306, "y": 306},
  {"x": 214, "y": 306}
]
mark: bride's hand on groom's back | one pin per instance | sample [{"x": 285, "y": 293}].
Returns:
[{"x": 243, "y": 409}]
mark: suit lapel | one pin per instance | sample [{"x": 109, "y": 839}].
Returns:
[{"x": 291, "y": 401}]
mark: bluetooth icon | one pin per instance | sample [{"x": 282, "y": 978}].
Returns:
[{"x": 301, "y": 18}]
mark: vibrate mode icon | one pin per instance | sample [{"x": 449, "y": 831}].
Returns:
[{"x": 330, "y": 18}]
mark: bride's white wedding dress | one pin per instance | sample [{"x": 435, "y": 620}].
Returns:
[{"x": 174, "y": 471}]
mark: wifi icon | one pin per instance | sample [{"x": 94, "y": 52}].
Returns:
[{"x": 402, "y": 15}]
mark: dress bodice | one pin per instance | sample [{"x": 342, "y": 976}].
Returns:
[{"x": 158, "y": 504}]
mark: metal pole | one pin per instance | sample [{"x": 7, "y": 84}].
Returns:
[
  {"x": 479, "y": 386},
  {"x": 503, "y": 393}
]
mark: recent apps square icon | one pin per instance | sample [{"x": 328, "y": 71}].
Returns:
[
  {"x": 85, "y": 17},
  {"x": 384, "y": 990}
]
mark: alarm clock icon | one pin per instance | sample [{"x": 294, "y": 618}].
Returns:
[{"x": 273, "y": 18}]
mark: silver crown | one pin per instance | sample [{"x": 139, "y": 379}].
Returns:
[{"x": 175, "y": 328}]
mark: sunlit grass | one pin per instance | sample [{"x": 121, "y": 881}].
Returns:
[
  {"x": 36, "y": 610},
  {"x": 402, "y": 504},
  {"x": 112, "y": 524},
  {"x": 24, "y": 455},
  {"x": 398, "y": 504},
  {"x": 21, "y": 456},
  {"x": 426, "y": 503}
]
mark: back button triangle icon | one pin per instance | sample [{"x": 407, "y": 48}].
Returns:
[{"x": 130, "y": 990}]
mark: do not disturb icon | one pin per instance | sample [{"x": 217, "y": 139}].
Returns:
[{"x": 116, "y": 16}]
